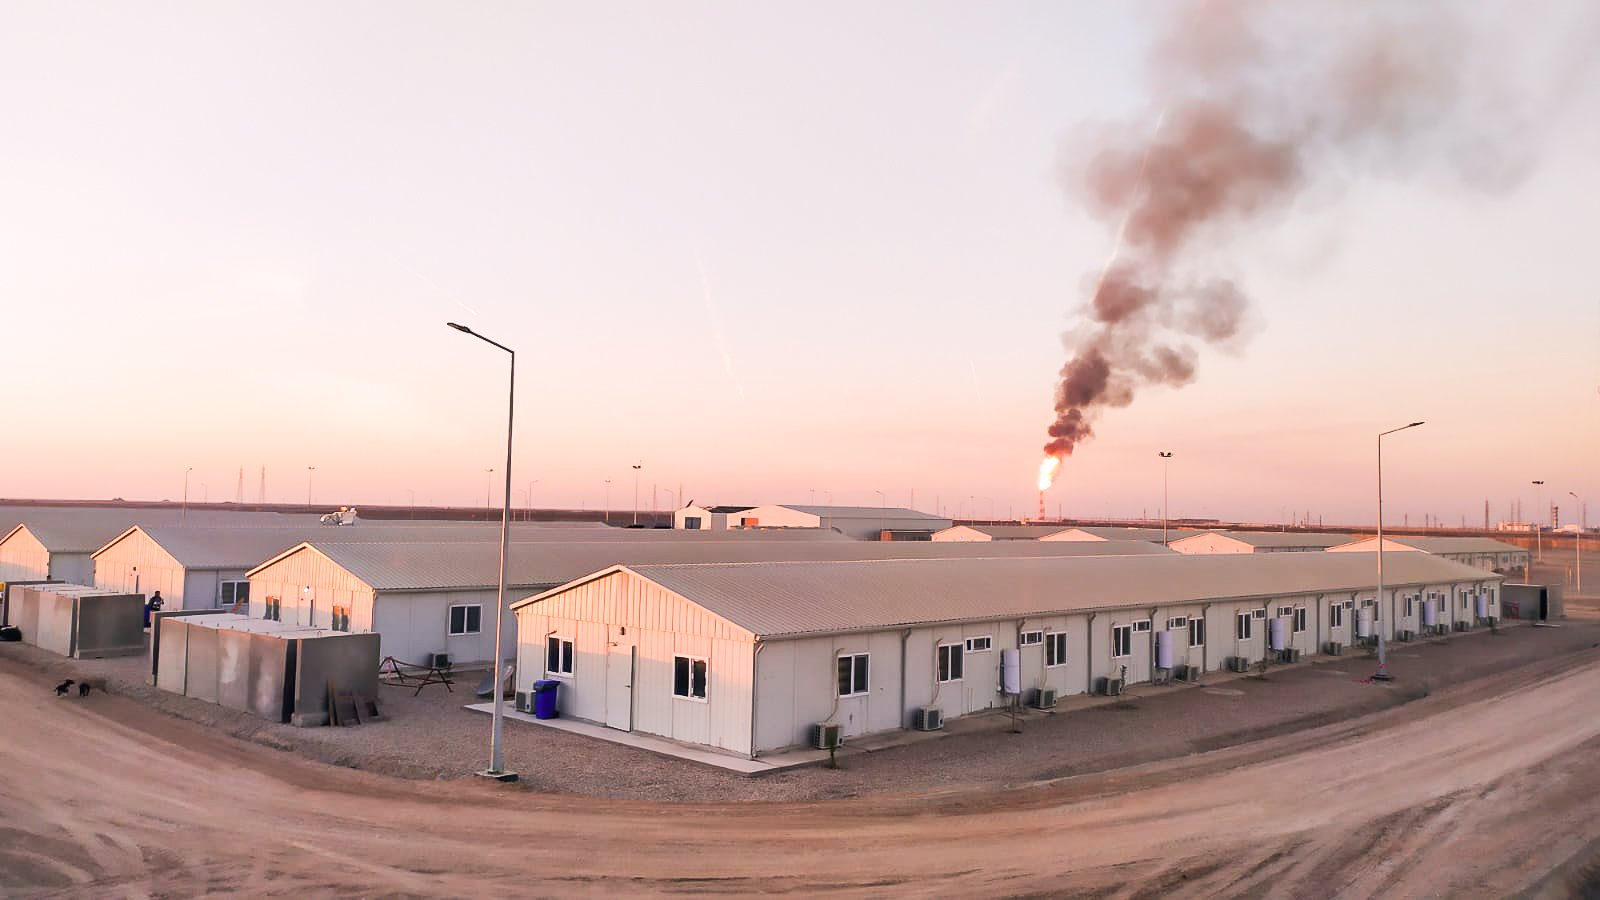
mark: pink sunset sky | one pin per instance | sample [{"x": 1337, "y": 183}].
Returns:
[{"x": 774, "y": 252}]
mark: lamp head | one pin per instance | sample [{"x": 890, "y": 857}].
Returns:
[
  {"x": 461, "y": 328},
  {"x": 1415, "y": 424},
  {"x": 1165, "y": 455}
]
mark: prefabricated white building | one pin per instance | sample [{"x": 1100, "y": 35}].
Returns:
[
  {"x": 50, "y": 550},
  {"x": 438, "y": 596},
  {"x": 1117, "y": 533},
  {"x": 863, "y": 523},
  {"x": 748, "y": 657},
  {"x": 984, "y": 533},
  {"x": 1258, "y": 542},
  {"x": 1482, "y": 553}
]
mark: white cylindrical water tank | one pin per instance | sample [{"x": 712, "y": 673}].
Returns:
[
  {"x": 1430, "y": 614},
  {"x": 1280, "y": 633},
  {"x": 1483, "y": 605},
  {"x": 1011, "y": 671},
  {"x": 1364, "y": 622},
  {"x": 1164, "y": 650}
]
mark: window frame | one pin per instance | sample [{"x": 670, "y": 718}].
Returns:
[
  {"x": 970, "y": 643},
  {"x": 466, "y": 619},
  {"x": 1300, "y": 615},
  {"x": 1336, "y": 615},
  {"x": 1243, "y": 623},
  {"x": 1199, "y": 621},
  {"x": 1122, "y": 641},
  {"x": 339, "y": 618},
  {"x": 860, "y": 669},
  {"x": 1176, "y": 622},
  {"x": 1055, "y": 647},
  {"x": 235, "y": 583},
  {"x": 566, "y": 652},
  {"x": 950, "y": 663},
  {"x": 705, "y": 678},
  {"x": 1141, "y": 626},
  {"x": 1030, "y": 638},
  {"x": 272, "y": 608}
]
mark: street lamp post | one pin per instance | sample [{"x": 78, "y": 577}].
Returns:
[
  {"x": 488, "y": 487},
  {"x": 309, "y": 471},
  {"x": 608, "y": 501},
  {"x": 883, "y": 502},
  {"x": 1165, "y": 458},
  {"x": 496, "y": 768},
  {"x": 1577, "y": 539},
  {"x": 1538, "y": 549},
  {"x": 636, "y": 467},
  {"x": 186, "y": 491},
  {"x": 1383, "y": 659}
]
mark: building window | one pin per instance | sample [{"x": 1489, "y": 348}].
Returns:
[
  {"x": 272, "y": 609},
  {"x": 1197, "y": 632},
  {"x": 1055, "y": 649},
  {"x": 691, "y": 523},
  {"x": 466, "y": 619},
  {"x": 234, "y": 592},
  {"x": 1285, "y": 612},
  {"x": 1336, "y": 615},
  {"x": 852, "y": 675},
  {"x": 1177, "y": 622},
  {"x": 689, "y": 677},
  {"x": 558, "y": 655},
  {"x": 1258, "y": 613},
  {"x": 979, "y": 644},
  {"x": 1411, "y": 605},
  {"x": 749, "y": 522},
  {"x": 1029, "y": 638},
  {"x": 1299, "y": 619},
  {"x": 341, "y": 618},
  {"x": 1142, "y": 626},
  {"x": 951, "y": 662},
  {"x": 1241, "y": 626},
  {"x": 1349, "y": 604},
  {"x": 1121, "y": 641}
]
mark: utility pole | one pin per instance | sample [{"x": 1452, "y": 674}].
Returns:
[{"x": 636, "y": 467}]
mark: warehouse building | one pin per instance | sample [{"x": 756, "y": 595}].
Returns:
[
  {"x": 1480, "y": 553},
  {"x": 864, "y": 523},
  {"x": 1117, "y": 533},
  {"x": 984, "y": 533},
  {"x": 749, "y": 658},
  {"x": 59, "y": 551},
  {"x": 705, "y": 518},
  {"x": 1258, "y": 542},
  {"x": 439, "y": 596}
]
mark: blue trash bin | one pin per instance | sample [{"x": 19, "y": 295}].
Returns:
[{"x": 544, "y": 699}]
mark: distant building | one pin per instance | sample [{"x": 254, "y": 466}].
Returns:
[
  {"x": 704, "y": 518},
  {"x": 1480, "y": 553},
  {"x": 1258, "y": 542},
  {"x": 864, "y": 523},
  {"x": 1113, "y": 533},
  {"x": 996, "y": 532}
]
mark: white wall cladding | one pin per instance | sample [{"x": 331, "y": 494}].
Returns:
[
  {"x": 137, "y": 565},
  {"x": 23, "y": 558},
  {"x": 626, "y": 630}
]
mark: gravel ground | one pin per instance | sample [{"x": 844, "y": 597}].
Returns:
[{"x": 431, "y": 736}]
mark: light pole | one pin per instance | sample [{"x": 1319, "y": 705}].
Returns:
[
  {"x": 608, "y": 501},
  {"x": 1577, "y": 540},
  {"x": 186, "y": 491},
  {"x": 1383, "y": 673},
  {"x": 1538, "y": 549},
  {"x": 883, "y": 502},
  {"x": 636, "y": 467},
  {"x": 1165, "y": 458},
  {"x": 496, "y": 770},
  {"x": 488, "y": 487},
  {"x": 530, "y": 499},
  {"x": 309, "y": 470}
]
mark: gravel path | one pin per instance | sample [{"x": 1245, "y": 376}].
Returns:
[{"x": 431, "y": 736}]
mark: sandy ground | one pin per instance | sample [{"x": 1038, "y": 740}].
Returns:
[{"x": 1482, "y": 788}]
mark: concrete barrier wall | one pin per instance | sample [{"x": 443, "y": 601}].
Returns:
[
  {"x": 203, "y": 660},
  {"x": 57, "y": 622},
  {"x": 10, "y": 588},
  {"x": 156, "y": 635},
  {"x": 349, "y": 661},
  {"x": 110, "y": 625},
  {"x": 171, "y": 666},
  {"x": 27, "y": 613}
]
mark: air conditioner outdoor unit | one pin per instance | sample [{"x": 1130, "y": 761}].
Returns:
[
  {"x": 826, "y": 736},
  {"x": 927, "y": 718},
  {"x": 1111, "y": 687},
  {"x": 525, "y": 701},
  {"x": 1403, "y": 635},
  {"x": 1238, "y": 664},
  {"x": 439, "y": 660},
  {"x": 1463, "y": 625},
  {"x": 1044, "y": 698},
  {"x": 1189, "y": 673},
  {"x": 1333, "y": 648},
  {"x": 1291, "y": 655}
]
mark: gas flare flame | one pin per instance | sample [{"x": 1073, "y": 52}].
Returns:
[{"x": 1047, "y": 471}]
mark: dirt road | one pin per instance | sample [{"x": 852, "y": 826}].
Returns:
[{"x": 1477, "y": 791}]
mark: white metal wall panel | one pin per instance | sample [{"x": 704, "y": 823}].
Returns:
[
  {"x": 729, "y": 692},
  {"x": 23, "y": 558},
  {"x": 72, "y": 568},
  {"x": 775, "y": 709}
]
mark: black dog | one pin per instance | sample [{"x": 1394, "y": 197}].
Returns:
[
  {"x": 83, "y": 689},
  {"x": 61, "y": 689}
]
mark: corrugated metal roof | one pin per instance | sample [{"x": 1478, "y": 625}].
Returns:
[
  {"x": 785, "y": 600},
  {"x": 1011, "y": 532},
  {"x": 1442, "y": 544},
  {"x": 400, "y": 566},
  {"x": 863, "y": 512},
  {"x": 87, "y": 529},
  {"x": 1118, "y": 533},
  {"x": 1280, "y": 538},
  {"x": 243, "y": 547}
]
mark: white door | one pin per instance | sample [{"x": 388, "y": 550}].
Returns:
[{"x": 621, "y": 662}]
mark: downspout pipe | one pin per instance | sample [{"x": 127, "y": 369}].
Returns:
[
  {"x": 755, "y": 686},
  {"x": 1153, "y": 660},
  {"x": 904, "y": 637},
  {"x": 1088, "y": 656}
]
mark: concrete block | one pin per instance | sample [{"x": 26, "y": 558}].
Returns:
[
  {"x": 233, "y": 669},
  {"x": 201, "y": 681},
  {"x": 110, "y": 625},
  {"x": 350, "y": 661},
  {"x": 270, "y": 677},
  {"x": 171, "y": 671}
]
